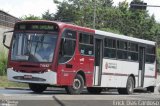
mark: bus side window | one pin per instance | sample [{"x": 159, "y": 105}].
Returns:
[
  {"x": 67, "y": 46},
  {"x": 110, "y": 48},
  {"x": 133, "y": 51},
  {"x": 86, "y": 44},
  {"x": 150, "y": 54},
  {"x": 122, "y": 49}
]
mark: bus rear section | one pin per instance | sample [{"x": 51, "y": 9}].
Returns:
[{"x": 123, "y": 63}]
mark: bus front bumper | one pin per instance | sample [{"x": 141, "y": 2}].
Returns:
[{"x": 49, "y": 77}]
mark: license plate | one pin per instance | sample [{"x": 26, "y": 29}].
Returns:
[{"x": 28, "y": 76}]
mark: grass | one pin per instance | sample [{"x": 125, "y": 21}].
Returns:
[
  {"x": 3, "y": 62},
  {"x": 5, "y": 83}
]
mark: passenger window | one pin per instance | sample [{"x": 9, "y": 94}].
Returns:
[
  {"x": 121, "y": 54},
  {"x": 122, "y": 45},
  {"x": 68, "y": 41},
  {"x": 69, "y": 34},
  {"x": 110, "y": 48},
  {"x": 86, "y": 46},
  {"x": 150, "y": 49},
  {"x": 110, "y": 53},
  {"x": 133, "y": 51},
  {"x": 122, "y": 50},
  {"x": 133, "y": 47},
  {"x": 110, "y": 43},
  {"x": 150, "y": 54}
]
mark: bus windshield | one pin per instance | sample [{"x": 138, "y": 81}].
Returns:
[{"x": 33, "y": 47}]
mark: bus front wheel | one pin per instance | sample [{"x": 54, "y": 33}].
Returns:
[
  {"x": 129, "y": 87},
  {"x": 77, "y": 86},
  {"x": 37, "y": 88}
]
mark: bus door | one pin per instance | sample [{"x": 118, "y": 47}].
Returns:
[
  {"x": 141, "y": 71},
  {"x": 98, "y": 61}
]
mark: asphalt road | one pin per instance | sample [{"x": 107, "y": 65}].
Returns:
[{"x": 58, "y": 97}]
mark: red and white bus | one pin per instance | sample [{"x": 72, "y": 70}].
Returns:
[{"x": 49, "y": 53}]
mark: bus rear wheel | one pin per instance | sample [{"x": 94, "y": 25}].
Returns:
[
  {"x": 94, "y": 90},
  {"x": 37, "y": 88},
  {"x": 77, "y": 86},
  {"x": 129, "y": 87}
]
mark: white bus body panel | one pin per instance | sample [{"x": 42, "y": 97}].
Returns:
[
  {"x": 149, "y": 79},
  {"x": 50, "y": 77},
  {"x": 116, "y": 72}
]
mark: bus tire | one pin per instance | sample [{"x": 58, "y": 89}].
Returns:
[
  {"x": 37, "y": 88},
  {"x": 150, "y": 89},
  {"x": 129, "y": 87},
  {"x": 77, "y": 86},
  {"x": 94, "y": 90}
]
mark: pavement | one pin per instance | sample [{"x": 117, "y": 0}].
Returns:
[{"x": 59, "y": 97}]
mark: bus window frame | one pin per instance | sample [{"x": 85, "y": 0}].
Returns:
[
  {"x": 128, "y": 50},
  {"x": 146, "y": 46},
  {"x": 63, "y": 31},
  {"x": 110, "y": 47},
  {"x": 39, "y": 32},
  {"x": 90, "y": 34}
]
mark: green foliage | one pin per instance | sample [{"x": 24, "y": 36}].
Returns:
[
  {"x": 158, "y": 58},
  {"x": 5, "y": 83},
  {"x": 121, "y": 19},
  {"x": 48, "y": 16},
  {"x": 3, "y": 63},
  {"x": 66, "y": 11},
  {"x": 136, "y": 23},
  {"x": 110, "y": 30},
  {"x": 31, "y": 17}
]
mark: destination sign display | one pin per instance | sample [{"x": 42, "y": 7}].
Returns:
[{"x": 40, "y": 27}]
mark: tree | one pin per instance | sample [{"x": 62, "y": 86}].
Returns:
[
  {"x": 66, "y": 11},
  {"x": 48, "y": 16},
  {"x": 106, "y": 3},
  {"x": 121, "y": 19},
  {"x": 31, "y": 17}
]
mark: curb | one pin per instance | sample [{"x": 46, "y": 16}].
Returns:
[{"x": 14, "y": 88}]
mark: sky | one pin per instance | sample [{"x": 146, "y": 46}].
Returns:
[{"x": 19, "y": 8}]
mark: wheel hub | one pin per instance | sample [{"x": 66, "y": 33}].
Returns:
[{"x": 76, "y": 84}]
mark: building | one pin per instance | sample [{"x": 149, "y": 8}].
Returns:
[{"x": 7, "y": 22}]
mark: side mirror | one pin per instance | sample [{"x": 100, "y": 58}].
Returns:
[{"x": 4, "y": 38}]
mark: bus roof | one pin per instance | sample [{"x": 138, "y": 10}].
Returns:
[
  {"x": 60, "y": 24},
  {"x": 123, "y": 37},
  {"x": 98, "y": 32}
]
